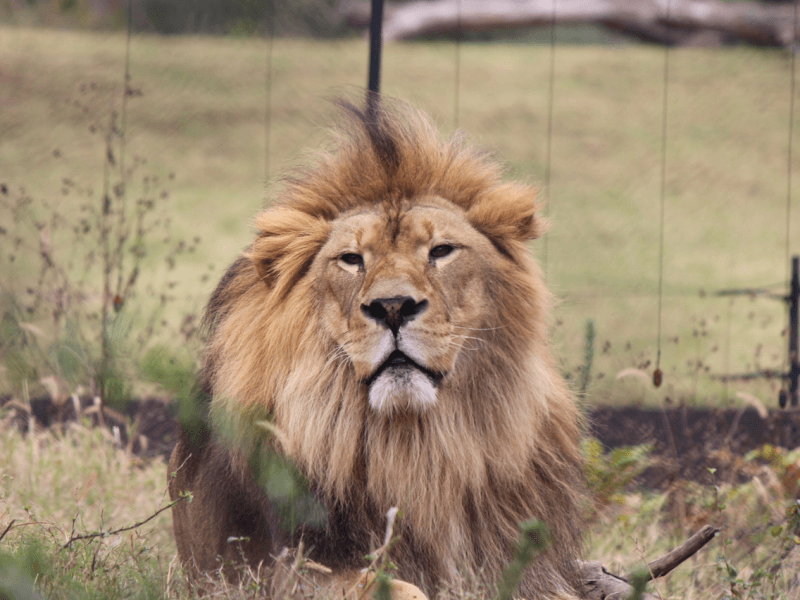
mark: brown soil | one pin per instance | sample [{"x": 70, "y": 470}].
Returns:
[
  {"x": 150, "y": 421},
  {"x": 687, "y": 441}
]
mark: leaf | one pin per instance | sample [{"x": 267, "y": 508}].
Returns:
[
  {"x": 755, "y": 403},
  {"x": 32, "y": 329},
  {"x": 635, "y": 373},
  {"x": 54, "y": 387}
]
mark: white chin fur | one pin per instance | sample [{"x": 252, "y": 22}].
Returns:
[{"x": 401, "y": 389}]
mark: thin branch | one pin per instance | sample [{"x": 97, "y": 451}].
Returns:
[
  {"x": 89, "y": 536},
  {"x": 753, "y": 22},
  {"x": 7, "y": 529}
]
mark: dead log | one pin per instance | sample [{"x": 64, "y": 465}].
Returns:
[
  {"x": 600, "y": 584},
  {"x": 663, "y": 21},
  {"x": 665, "y": 564}
]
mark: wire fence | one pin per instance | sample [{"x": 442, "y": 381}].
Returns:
[{"x": 666, "y": 176}]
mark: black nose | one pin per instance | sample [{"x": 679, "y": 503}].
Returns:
[{"x": 394, "y": 312}]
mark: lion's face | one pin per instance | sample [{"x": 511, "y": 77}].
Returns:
[{"x": 399, "y": 287}]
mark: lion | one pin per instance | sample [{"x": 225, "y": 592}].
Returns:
[{"x": 391, "y": 324}]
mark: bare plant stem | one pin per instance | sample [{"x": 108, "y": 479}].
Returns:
[
  {"x": 89, "y": 536},
  {"x": 105, "y": 234},
  {"x": 7, "y": 529}
]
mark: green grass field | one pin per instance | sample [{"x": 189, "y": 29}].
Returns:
[{"x": 202, "y": 115}]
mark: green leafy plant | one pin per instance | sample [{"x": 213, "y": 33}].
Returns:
[
  {"x": 608, "y": 473},
  {"x": 535, "y": 537},
  {"x": 762, "y": 581},
  {"x": 585, "y": 376},
  {"x": 785, "y": 463},
  {"x": 639, "y": 580},
  {"x": 380, "y": 561},
  {"x": 19, "y": 570}
]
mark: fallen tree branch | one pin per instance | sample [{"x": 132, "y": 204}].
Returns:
[
  {"x": 600, "y": 584},
  {"x": 751, "y": 22},
  {"x": 665, "y": 564}
]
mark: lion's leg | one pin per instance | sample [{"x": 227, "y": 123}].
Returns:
[
  {"x": 225, "y": 519},
  {"x": 402, "y": 590},
  {"x": 305, "y": 579},
  {"x": 363, "y": 585}
]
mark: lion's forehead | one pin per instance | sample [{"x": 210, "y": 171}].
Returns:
[{"x": 408, "y": 228}]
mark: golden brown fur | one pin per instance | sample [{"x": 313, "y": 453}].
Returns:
[{"x": 477, "y": 435}]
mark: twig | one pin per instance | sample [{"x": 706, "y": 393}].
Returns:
[
  {"x": 90, "y": 536},
  {"x": 378, "y": 556},
  {"x": 661, "y": 566},
  {"x": 7, "y": 529}
]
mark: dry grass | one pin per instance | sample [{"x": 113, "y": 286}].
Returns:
[
  {"x": 56, "y": 486},
  {"x": 642, "y": 526},
  {"x": 80, "y": 473}
]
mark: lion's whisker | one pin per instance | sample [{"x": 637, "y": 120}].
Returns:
[
  {"x": 334, "y": 356},
  {"x": 336, "y": 352},
  {"x": 469, "y": 337},
  {"x": 453, "y": 343},
  {"x": 479, "y": 328}
]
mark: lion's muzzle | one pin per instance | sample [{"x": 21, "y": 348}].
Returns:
[
  {"x": 399, "y": 382},
  {"x": 394, "y": 312}
]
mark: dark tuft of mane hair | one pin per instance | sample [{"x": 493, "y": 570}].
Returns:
[{"x": 374, "y": 119}]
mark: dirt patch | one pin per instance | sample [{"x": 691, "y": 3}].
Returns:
[
  {"x": 686, "y": 441},
  {"x": 146, "y": 428}
]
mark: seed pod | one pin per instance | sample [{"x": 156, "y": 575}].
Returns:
[{"x": 657, "y": 376}]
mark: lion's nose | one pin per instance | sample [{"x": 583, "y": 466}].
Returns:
[{"x": 394, "y": 312}]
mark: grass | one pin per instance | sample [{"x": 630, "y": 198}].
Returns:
[
  {"x": 58, "y": 485},
  {"x": 61, "y": 485},
  {"x": 202, "y": 116}
]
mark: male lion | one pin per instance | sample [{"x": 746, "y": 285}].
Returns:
[{"x": 390, "y": 322}]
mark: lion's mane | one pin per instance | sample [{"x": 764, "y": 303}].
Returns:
[{"x": 501, "y": 446}]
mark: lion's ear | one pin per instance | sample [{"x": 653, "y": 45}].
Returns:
[
  {"x": 507, "y": 214},
  {"x": 287, "y": 243}
]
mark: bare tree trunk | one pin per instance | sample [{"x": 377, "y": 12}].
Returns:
[{"x": 665, "y": 21}]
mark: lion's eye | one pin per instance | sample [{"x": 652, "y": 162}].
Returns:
[
  {"x": 441, "y": 250},
  {"x": 352, "y": 259}
]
